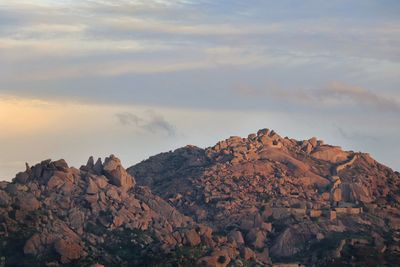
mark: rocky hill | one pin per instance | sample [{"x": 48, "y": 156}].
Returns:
[
  {"x": 54, "y": 215},
  {"x": 257, "y": 201},
  {"x": 282, "y": 200}
]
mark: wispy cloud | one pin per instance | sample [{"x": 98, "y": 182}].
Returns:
[
  {"x": 176, "y": 27},
  {"x": 355, "y": 136},
  {"x": 152, "y": 123},
  {"x": 127, "y": 118},
  {"x": 333, "y": 96},
  {"x": 359, "y": 96}
]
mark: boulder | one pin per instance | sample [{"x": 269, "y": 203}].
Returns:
[
  {"x": 237, "y": 237},
  {"x": 264, "y": 131},
  {"x": 289, "y": 242},
  {"x": 205, "y": 231},
  {"x": 61, "y": 165},
  {"x": 92, "y": 188},
  {"x": 117, "y": 174},
  {"x": 256, "y": 238},
  {"x": 192, "y": 237},
  {"x": 101, "y": 181},
  {"x": 4, "y": 199},
  {"x": 28, "y": 202},
  {"x": 252, "y": 137},
  {"x": 68, "y": 250},
  {"x": 55, "y": 182},
  {"x": 217, "y": 259},
  {"x": 315, "y": 213},
  {"x": 22, "y": 177},
  {"x": 337, "y": 195},
  {"x": 113, "y": 194},
  {"x": 266, "y": 226},
  {"x": 247, "y": 253},
  {"x": 264, "y": 256},
  {"x": 76, "y": 218},
  {"x": 33, "y": 245},
  {"x": 313, "y": 141},
  {"x": 330, "y": 153}
]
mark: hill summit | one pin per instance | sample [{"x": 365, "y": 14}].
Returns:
[{"x": 263, "y": 200}]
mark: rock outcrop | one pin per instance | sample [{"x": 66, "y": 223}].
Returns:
[
  {"x": 59, "y": 215},
  {"x": 117, "y": 174}
]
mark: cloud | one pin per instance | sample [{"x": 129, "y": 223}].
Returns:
[
  {"x": 116, "y": 58},
  {"x": 197, "y": 49},
  {"x": 57, "y": 40},
  {"x": 355, "y": 136},
  {"x": 127, "y": 118},
  {"x": 334, "y": 96},
  {"x": 359, "y": 96},
  {"x": 158, "y": 123},
  {"x": 188, "y": 28},
  {"x": 152, "y": 123}
]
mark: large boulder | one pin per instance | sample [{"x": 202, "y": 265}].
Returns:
[
  {"x": 68, "y": 250},
  {"x": 330, "y": 153},
  {"x": 117, "y": 174},
  {"x": 61, "y": 165},
  {"x": 22, "y": 177},
  {"x": 290, "y": 242},
  {"x": 28, "y": 202},
  {"x": 193, "y": 239}
]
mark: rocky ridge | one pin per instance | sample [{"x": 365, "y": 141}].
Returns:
[
  {"x": 283, "y": 200},
  {"x": 53, "y": 214},
  {"x": 263, "y": 200}
]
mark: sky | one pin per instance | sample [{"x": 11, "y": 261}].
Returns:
[{"x": 135, "y": 78}]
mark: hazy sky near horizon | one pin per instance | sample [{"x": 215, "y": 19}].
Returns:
[{"x": 135, "y": 78}]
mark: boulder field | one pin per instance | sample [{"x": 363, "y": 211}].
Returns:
[{"x": 263, "y": 200}]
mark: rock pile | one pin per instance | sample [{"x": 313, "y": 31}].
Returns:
[
  {"x": 277, "y": 198},
  {"x": 53, "y": 214}
]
